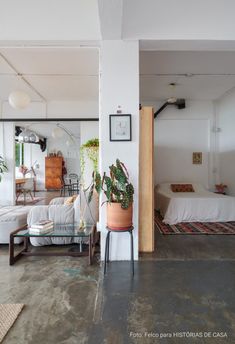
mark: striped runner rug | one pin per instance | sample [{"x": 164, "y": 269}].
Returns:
[
  {"x": 8, "y": 315},
  {"x": 194, "y": 227}
]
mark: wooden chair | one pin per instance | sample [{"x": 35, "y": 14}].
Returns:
[{"x": 26, "y": 189}]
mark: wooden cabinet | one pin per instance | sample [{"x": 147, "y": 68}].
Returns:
[{"x": 53, "y": 173}]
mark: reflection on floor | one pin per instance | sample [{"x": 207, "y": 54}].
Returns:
[
  {"x": 166, "y": 298},
  {"x": 185, "y": 247},
  {"x": 186, "y": 286}
]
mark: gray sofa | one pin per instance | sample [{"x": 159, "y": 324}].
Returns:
[
  {"x": 11, "y": 218},
  {"x": 60, "y": 213}
]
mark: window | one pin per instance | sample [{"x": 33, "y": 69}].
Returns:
[{"x": 19, "y": 154}]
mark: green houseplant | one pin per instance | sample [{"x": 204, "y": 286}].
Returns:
[
  {"x": 119, "y": 195},
  {"x": 89, "y": 151},
  {"x": 3, "y": 167}
]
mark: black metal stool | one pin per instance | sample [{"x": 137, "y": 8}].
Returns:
[{"x": 106, "y": 256}]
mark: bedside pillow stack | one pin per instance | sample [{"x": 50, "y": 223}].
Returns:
[{"x": 182, "y": 188}]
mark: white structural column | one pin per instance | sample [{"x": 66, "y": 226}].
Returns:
[
  {"x": 7, "y": 150},
  {"x": 119, "y": 85}
]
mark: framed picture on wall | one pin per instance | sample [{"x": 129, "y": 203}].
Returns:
[
  {"x": 120, "y": 127},
  {"x": 197, "y": 158}
]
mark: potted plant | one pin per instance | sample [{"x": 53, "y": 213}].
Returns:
[
  {"x": 89, "y": 151},
  {"x": 119, "y": 195},
  {"x": 3, "y": 167},
  {"x": 220, "y": 188}
]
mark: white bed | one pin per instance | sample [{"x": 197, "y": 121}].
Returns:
[{"x": 199, "y": 206}]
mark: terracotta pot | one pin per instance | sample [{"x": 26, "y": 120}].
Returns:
[{"x": 118, "y": 218}]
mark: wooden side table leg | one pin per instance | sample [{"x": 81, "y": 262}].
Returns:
[
  {"x": 92, "y": 242},
  {"x": 132, "y": 252},
  {"x": 11, "y": 250},
  {"x": 109, "y": 233},
  {"x": 106, "y": 252},
  {"x": 26, "y": 244},
  {"x": 90, "y": 249}
]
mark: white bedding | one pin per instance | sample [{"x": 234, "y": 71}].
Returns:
[{"x": 198, "y": 206}]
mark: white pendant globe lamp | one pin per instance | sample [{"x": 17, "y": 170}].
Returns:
[
  {"x": 19, "y": 100},
  {"x": 57, "y": 133},
  {"x": 70, "y": 141}
]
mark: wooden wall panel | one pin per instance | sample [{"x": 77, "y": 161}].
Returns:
[{"x": 146, "y": 184}]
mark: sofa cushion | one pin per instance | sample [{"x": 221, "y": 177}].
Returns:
[
  {"x": 11, "y": 218},
  {"x": 89, "y": 211},
  {"x": 76, "y": 206},
  {"x": 70, "y": 200},
  {"x": 38, "y": 213},
  {"x": 61, "y": 214},
  {"x": 13, "y": 213},
  {"x": 58, "y": 200}
]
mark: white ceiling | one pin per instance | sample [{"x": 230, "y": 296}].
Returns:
[
  {"x": 178, "y": 20},
  {"x": 53, "y": 20},
  {"x": 70, "y": 74},
  {"x": 92, "y": 20},
  {"x": 198, "y": 75}
]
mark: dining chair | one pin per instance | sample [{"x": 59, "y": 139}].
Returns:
[
  {"x": 65, "y": 187},
  {"x": 26, "y": 189},
  {"x": 74, "y": 183}
]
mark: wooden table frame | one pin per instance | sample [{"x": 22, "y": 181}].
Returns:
[{"x": 13, "y": 258}]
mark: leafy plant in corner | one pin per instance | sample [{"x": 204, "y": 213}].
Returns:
[
  {"x": 3, "y": 167},
  {"x": 116, "y": 187},
  {"x": 88, "y": 151},
  {"x": 91, "y": 149}
]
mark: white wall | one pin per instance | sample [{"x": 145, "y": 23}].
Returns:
[
  {"x": 89, "y": 130},
  {"x": 226, "y": 138},
  {"x": 7, "y": 150},
  {"x": 70, "y": 153},
  {"x": 119, "y": 85},
  {"x": 32, "y": 152},
  {"x": 179, "y": 133}
]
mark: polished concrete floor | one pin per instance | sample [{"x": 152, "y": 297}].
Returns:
[
  {"x": 192, "y": 247},
  {"x": 185, "y": 288}
]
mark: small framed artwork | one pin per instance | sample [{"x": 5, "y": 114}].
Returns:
[
  {"x": 120, "y": 127},
  {"x": 197, "y": 158}
]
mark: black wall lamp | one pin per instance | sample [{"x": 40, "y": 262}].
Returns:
[{"x": 179, "y": 102}]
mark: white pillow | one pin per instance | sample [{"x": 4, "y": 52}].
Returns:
[
  {"x": 90, "y": 212},
  {"x": 76, "y": 205}
]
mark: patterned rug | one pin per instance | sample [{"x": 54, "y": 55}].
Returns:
[
  {"x": 29, "y": 200},
  {"x": 8, "y": 315},
  {"x": 194, "y": 227}
]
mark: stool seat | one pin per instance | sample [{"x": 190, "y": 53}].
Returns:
[
  {"x": 120, "y": 229},
  {"x": 107, "y": 242}
]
